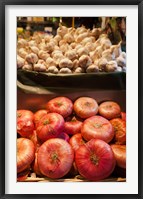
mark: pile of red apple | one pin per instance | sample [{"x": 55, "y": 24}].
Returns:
[{"x": 72, "y": 137}]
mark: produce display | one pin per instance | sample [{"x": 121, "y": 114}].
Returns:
[
  {"x": 71, "y": 51},
  {"x": 72, "y": 138}
]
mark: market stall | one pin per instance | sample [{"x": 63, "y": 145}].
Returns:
[{"x": 71, "y": 101}]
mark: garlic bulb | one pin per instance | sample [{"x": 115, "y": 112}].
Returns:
[
  {"x": 111, "y": 66},
  {"x": 123, "y": 54},
  {"x": 96, "y": 54},
  {"x": 65, "y": 71},
  {"x": 50, "y": 62},
  {"x": 121, "y": 61},
  {"x": 80, "y": 30},
  {"x": 82, "y": 51},
  {"x": 69, "y": 38},
  {"x": 71, "y": 54},
  {"x": 43, "y": 55},
  {"x": 108, "y": 54},
  {"x": 106, "y": 43},
  {"x": 49, "y": 47},
  {"x": 62, "y": 30},
  {"x": 65, "y": 48},
  {"x": 57, "y": 57},
  {"x": 41, "y": 61},
  {"x": 27, "y": 67},
  {"x": 90, "y": 46},
  {"x": 65, "y": 62},
  {"x": 96, "y": 32},
  {"x": 75, "y": 63},
  {"x": 22, "y": 53},
  {"x": 102, "y": 64},
  {"x": 73, "y": 45},
  {"x": 34, "y": 49},
  {"x": 57, "y": 51},
  {"x": 85, "y": 61},
  {"x": 57, "y": 38},
  {"x": 62, "y": 42},
  {"x": 78, "y": 46},
  {"x": 40, "y": 67},
  {"x": 119, "y": 69},
  {"x": 32, "y": 43},
  {"x": 31, "y": 58},
  {"x": 78, "y": 70},
  {"x": 80, "y": 37},
  {"x": 20, "y": 62},
  {"x": 47, "y": 38},
  {"x": 53, "y": 69},
  {"x": 22, "y": 43},
  {"x": 92, "y": 69},
  {"x": 88, "y": 40},
  {"x": 116, "y": 49}
]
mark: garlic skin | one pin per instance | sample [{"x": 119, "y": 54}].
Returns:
[
  {"x": 31, "y": 58},
  {"x": 66, "y": 63},
  {"x": 85, "y": 61},
  {"x": 121, "y": 61},
  {"x": 20, "y": 62},
  {"x": 39, "y": 67},
  {"x": 111, "y": 66},
  {"x": 52, "y": 69},
  {"x": 65, "y": 71},
  {"x": 92, "y": 69}
]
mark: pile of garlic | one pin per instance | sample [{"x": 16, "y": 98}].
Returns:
[{"x": 72, "y": 50}]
